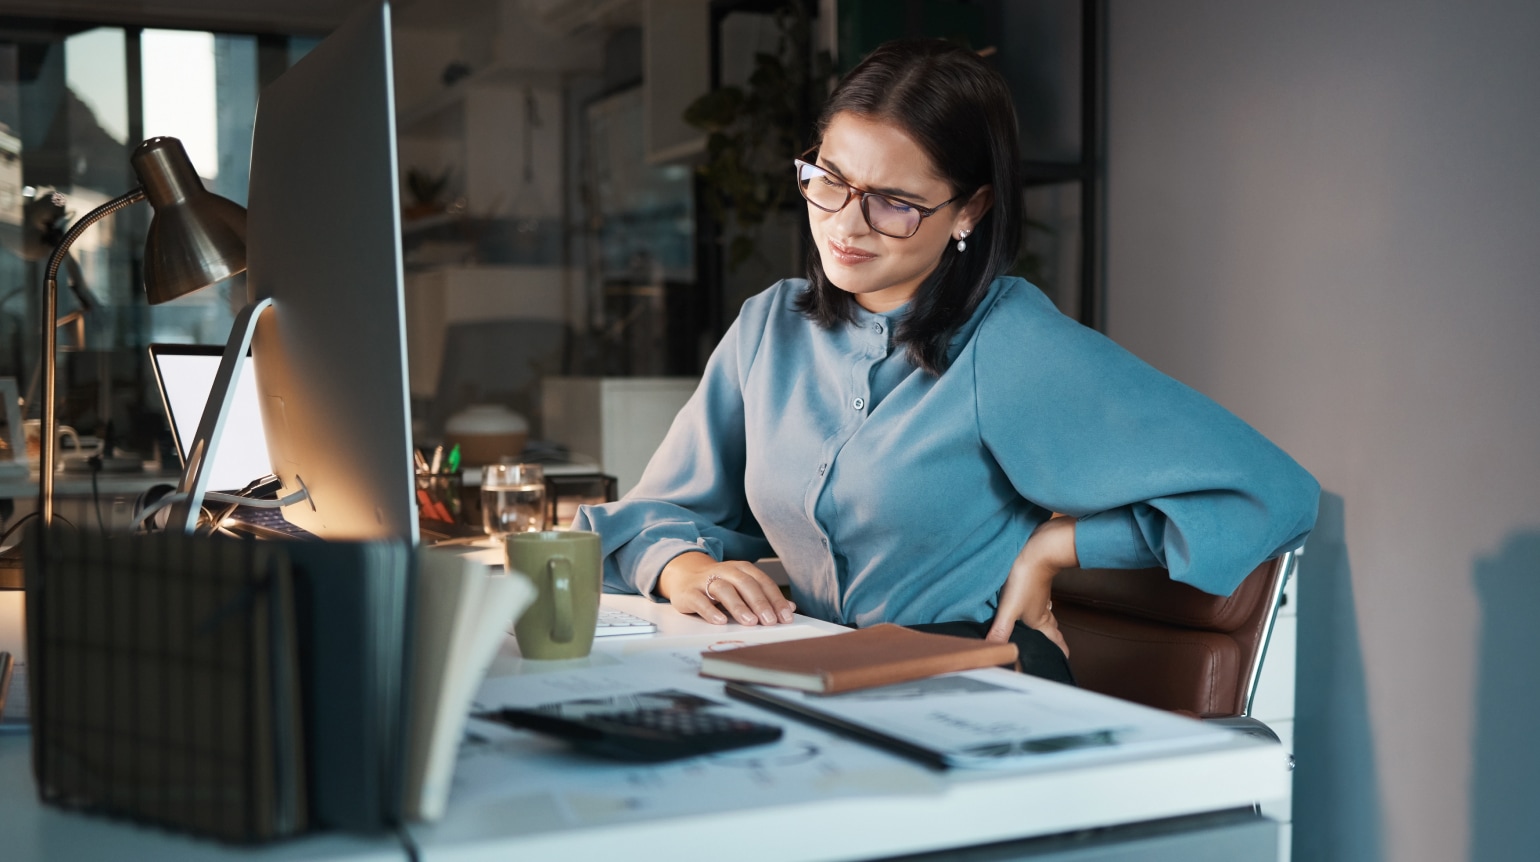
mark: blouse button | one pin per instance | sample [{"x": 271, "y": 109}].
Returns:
[
  {"x": 859, "y": 403},
  {"x": 877, "y": 328}
]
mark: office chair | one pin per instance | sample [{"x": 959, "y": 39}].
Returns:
[{"x": 1141, "y": 636}]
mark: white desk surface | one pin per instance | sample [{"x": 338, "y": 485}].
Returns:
[
  {"x": 959, "y": 808},
  {"x": 963, "y": 808},
  {"x": 33, "y": 832}
]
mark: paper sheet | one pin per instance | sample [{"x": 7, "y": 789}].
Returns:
[
  {"x": 992, "y": 720},
  {"x": 507, "y": 768}
]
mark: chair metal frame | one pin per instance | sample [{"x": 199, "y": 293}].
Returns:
[{"x": 1287, "y": 565}]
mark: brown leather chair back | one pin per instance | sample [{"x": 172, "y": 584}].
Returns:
[{"x": 1141, "y": 636}]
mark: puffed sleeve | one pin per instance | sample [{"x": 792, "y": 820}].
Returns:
[
  {"x": 1156, "y": 473},
  {"x": 690, "y": 497}
]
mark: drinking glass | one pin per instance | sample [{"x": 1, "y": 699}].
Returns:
[{"x": 512, "y": 499}]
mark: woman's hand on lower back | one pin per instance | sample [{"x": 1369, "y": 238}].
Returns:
[
  {"x": 1028, "y": 591},
  {"x": 695, "y": 583}
]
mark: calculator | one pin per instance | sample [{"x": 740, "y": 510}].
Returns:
[{"x": 648, "y": 734}]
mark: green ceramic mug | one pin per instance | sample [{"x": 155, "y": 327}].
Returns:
[{"x": 564, "y": 566}]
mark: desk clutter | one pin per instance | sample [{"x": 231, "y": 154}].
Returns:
[
  {"x": 248, "y": 691},
  {"x": 504, "y": 496}
]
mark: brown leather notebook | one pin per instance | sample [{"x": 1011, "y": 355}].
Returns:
[{"x": 881, "y": 655}]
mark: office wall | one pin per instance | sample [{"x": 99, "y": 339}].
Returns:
[{"x": 1326, "y": 215}]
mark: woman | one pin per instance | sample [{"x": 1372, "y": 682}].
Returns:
[{"x": 902, "y": 427}]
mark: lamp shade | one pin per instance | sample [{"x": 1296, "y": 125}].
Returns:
[{"x": 196, "y": 237}]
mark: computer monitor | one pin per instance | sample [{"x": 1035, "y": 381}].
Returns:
[{"x": 323, "y": 241}]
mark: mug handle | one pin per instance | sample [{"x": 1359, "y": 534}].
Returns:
[{"x": 561, "y": 589}]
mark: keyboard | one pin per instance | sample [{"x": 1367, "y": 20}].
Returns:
[
  {"x": 271, "y": 524},
  {"x": 266, "y": 523},
  {"x": 613, "y": 622}
]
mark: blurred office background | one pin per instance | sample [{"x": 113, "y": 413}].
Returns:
[{"x": 555, "y": 218}]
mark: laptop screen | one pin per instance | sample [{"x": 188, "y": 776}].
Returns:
[{"x": 185, "y": 373}]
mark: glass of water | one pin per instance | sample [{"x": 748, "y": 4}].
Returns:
[{"x": 512, "y": 499}]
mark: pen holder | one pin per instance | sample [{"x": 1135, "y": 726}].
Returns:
[{"x": 438, "y": 497}]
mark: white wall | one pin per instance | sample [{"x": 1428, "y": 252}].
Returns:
[{"x": 1326, "y": 215}]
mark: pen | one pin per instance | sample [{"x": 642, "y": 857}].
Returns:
[
  {"x": 432, "y": 508},
  {"x": 454, "y": 459},
  {"x": 421, "y": 462},
  {"x": 438, "y": 459}
]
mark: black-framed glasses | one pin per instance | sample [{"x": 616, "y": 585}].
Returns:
[{"x": 885, "y": 214}]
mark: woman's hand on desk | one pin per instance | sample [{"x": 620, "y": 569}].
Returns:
[
  {"x": 1028, "y": 591},
  {"x": 695, "y": 583}
]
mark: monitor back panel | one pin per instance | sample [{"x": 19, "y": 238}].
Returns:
[{"x": 323, "y": 241}]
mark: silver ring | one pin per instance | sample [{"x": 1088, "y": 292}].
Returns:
[{"x": 713, "y": 577}]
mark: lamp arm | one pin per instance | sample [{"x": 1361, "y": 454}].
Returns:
[
  {"x": 48, "y": 434},
  {"x": 78, "y": 285},
  {"x": 205, "y": 446}
]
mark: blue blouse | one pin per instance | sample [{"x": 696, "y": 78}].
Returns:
[{"x": 892, "y": 495}]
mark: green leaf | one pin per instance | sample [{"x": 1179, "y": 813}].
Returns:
[{"x": 754, "y": 130}]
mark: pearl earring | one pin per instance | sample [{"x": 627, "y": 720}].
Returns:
[{"x": 962, "y": 245}]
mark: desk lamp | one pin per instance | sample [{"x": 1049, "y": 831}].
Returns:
[{"x": 196, "y": 238}]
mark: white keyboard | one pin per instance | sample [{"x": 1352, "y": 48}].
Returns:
[{"x": 613, "y": 622}]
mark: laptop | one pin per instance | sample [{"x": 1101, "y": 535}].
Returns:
[{"x": 185, "y": 375}]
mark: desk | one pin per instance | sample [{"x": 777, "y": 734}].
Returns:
[
  {"x": 33, "y": 832},
  {"x": 955, "y": 810},
  {"x": 961, "y": 809}
]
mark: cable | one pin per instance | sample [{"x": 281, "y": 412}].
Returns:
[
  {"x": 96, "y": 494},
  {"x": 154, "y": 507},
  {"x": 409, "y": 844},
  {"x": 9, "y": 531},
  {"x": 169, "y": 499},
  {"x": 147, "y": 497},
  {"x": 13, "y": 528},
  {"x": 238, "y": 500}
]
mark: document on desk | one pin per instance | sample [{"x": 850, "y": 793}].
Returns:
[
  {"x": 521, "y": 774},
  {"x": 989, "y": 720}
]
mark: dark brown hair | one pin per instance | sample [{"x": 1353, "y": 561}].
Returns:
[{"x": 959, "y": 111}]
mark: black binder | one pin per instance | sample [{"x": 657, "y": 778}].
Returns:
[
  {"x": 165, "y": 683},
  {"x": 232, "y": 688},
  {"x": 353, "y": 601}
]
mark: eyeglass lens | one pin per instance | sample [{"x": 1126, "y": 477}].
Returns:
[{"x": 827, "y": 192}]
